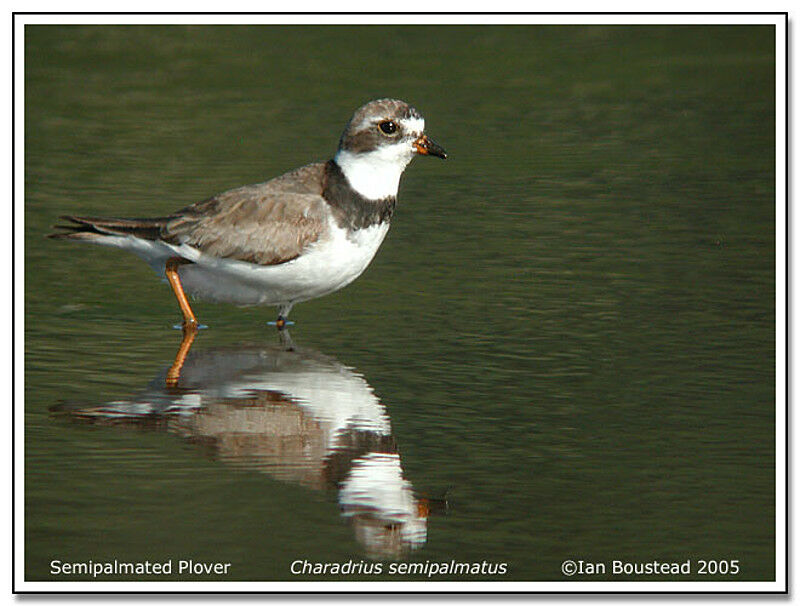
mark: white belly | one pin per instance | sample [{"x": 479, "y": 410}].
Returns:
[
  {"x": 328, "y": 265},
  {"x": 331, "y": 263}
]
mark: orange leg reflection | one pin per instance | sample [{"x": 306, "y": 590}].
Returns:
[{"x": 174, "y": 372}]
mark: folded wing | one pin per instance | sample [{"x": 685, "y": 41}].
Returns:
[{"x": 266, "y": 224}]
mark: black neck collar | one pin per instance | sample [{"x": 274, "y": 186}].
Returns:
[{"x": 351, "y": 209}]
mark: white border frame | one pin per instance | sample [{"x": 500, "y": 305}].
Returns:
[{"x": 780, "y": 583}]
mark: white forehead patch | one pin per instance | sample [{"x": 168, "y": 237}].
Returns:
[{"x": 413, "y": 125}]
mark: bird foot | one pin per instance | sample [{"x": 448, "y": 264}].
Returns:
[
  {"x": 191, "y": 327},
  {"x": 281, "y": 323}
]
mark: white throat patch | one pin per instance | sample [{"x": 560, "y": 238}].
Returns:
[{"x": 376, "y": 174}]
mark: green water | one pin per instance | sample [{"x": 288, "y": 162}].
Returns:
[{"x": 570, "y": 326}]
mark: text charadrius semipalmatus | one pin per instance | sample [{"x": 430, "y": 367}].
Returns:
[{"x": 299, "y": 236}]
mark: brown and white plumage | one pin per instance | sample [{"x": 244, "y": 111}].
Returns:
[
  {"x": 266, "y": 224},
  {"x": 299, "y": 236}
]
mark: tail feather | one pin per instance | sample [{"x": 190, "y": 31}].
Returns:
[{"x": 83, "y": 228}]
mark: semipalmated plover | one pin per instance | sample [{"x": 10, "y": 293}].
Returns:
[{"x": 296, "y": 237}]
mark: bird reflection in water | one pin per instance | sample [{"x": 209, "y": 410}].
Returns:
[{"x": 295, "y": 414}]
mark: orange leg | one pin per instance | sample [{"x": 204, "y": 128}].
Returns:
[{"x": 189, "y": 321}]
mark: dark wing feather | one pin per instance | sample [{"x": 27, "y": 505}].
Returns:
[{"x": 81, "y": 227}]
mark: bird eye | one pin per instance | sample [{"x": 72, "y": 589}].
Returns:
[{"x": 388, "y": 127}]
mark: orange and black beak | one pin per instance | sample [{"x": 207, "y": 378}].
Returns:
[{"x": 427, "y": 147}]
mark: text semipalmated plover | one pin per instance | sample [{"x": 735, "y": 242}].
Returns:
[{"x": 299, "y": 236}]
